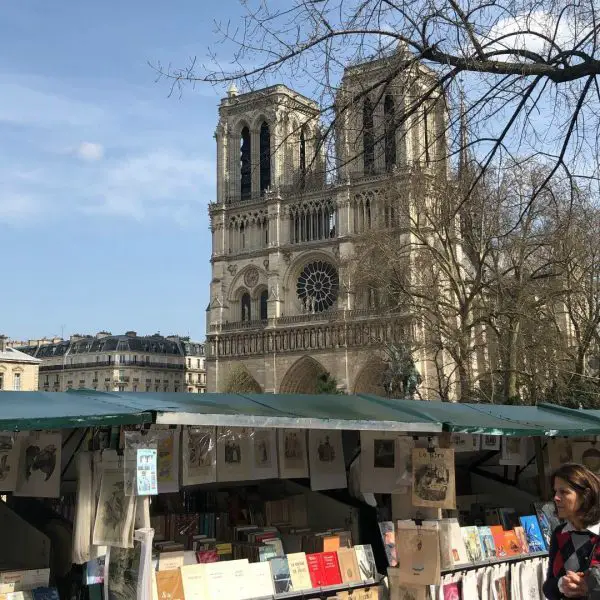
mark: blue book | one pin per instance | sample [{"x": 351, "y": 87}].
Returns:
[
  {"x": 45, "y": 594},
  {"x": 533, "y": 533},
  {"x": 487, "y": 543}
]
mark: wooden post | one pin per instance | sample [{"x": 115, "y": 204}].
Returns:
[{"x": 542, "y": 479}]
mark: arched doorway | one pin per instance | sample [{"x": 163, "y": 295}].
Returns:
[
  {"x": 302, "y": 377},
  {"x": 370, "y": 379}
]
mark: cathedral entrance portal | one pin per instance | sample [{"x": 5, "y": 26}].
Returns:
[
  {"x": 302, "y": 377},
  {"x": 371, "y": 378}
]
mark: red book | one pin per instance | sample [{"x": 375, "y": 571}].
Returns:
[
  {"x": 331, "y": 568},
  {"x": 207, "y": 556},
  {"x": 499, "y": 540},
  {"x": 315, "y": 569}
]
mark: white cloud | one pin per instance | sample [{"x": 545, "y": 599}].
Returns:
[{"x": 90, "y": 151}]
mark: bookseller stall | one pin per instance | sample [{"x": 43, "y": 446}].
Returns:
[{"x": 265, "y": 496}]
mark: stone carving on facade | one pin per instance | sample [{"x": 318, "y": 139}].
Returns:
[
  {"x": 251, "y": 277},
  {"x": 232, "y": 269},
  {"x": 266, "y": 264}
]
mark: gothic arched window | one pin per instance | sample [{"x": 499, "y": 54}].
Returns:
[
  {"x": 390, "y": 132},
  {"x": 245, "y": 164},
  {"x": 246, "y": 307},
  {"x": 302, "y": 153},
  {"x": 265, "y": 157},
  {"x": 368, "y": 137},
  {"x": 264, "y": 296},
  {"x": 242, "y": 236}
]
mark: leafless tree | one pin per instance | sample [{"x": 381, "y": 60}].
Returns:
[{"x": 522, "y": 72}]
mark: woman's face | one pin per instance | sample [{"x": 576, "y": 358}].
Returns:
[{"x": 566, "y": 499}]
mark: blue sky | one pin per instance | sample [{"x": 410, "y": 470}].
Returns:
[{"x": 104, "y": 179}]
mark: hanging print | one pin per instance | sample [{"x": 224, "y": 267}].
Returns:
[
  {"x": 293, "y": 455},
  {"x": 199, "y": 455},
  {"x": 234, "y": 448},
  {"x": 514, "y": 451},
  {"x": 264, "y": 442},
  {"x": 9, "y": 461},
  {"x": 418, "y": 553},
  {"x": 433, "y": 478},
  {"x": 39, "y": 465},
  {"x": 326, "y": 455}
]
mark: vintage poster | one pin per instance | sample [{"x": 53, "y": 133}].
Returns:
[
  {"x": 514, "y": 451},
  {"x": 146, "y": 472},
  {"x": 588, "y": 455},
  {"x": 293, "y": 455},
  {"x": 326, "y": 455},
  {"x": 264, "y": 450},
  {"x": 560, "y": 451},
  {"x": 465, "y": 442},
  {"x": 383, "y": 462},
  {"x": 199, "y": 455},
  {"x": 122, "y": 572},
  {"x": 434, "y": 478},
  {"x": 490, "y": 442},
  {"x": 115, "y": 515},
  {"x": 9, "y": 461},
  {"x": 418, "y": 553},
  {"x": 234, "y": 454},
  {"x": 39, "y": 465},
  {"x": 168, "y": 460}
]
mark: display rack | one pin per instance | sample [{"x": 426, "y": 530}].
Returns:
[
  {"x": 323, "y": 592},
  {"x": 492, "y": 561}
]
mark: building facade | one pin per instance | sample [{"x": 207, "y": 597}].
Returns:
[
  {"x": 125, "y": 363},
  {"x": 282, "y": 306},
  {"x": 18, "y": 371}
]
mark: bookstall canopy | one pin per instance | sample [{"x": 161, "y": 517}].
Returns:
[{"x": 26, "y": 411}]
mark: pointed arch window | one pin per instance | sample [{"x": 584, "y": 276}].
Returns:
[
  {"x": 368, "y": 137},
  {"x": 265, "y": 157},
  {"x": 245, "y": 164},
  {"x": 264, "y": 296},
  {"x": 389, "y": 110},
  {"x": 302, "y": 156},
  {"x": 246, "y": 306}
]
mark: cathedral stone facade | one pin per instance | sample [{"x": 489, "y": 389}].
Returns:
[{"x": 284, "y": 224}]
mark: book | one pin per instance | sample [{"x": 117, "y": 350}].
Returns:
[
  {"x": 366, "y": 562},
  {"x": 171, "y": 561},
  {"x": 508, "y": 518},
  {"x": 224, "y": 579},
  {"x": 207, "y": 556},
  {"x": 487, "y": 543},
  {"x": 547, "y": 519},
  {"x": 511, "y": 543},
  {"x": 46, "y": 594},
  {"x": 331, "y": 543},
  {"x": 299, "y": 571},
  {"x": 388, "y": 536},
  {"x": 452, "y": 545},
  {"x": 193, "y": 581},
  {"x": 499, "y": 541},
  {"x": 520, "y": 533},
  {"x": 170, "y": 585},
  {"x": 348, "y": 563},
  {"x": 472, "y": 543},
  {"x": 331, "y": 568},
  {"x": 533, "y": 533},
  {"x": 260, "y": 581},
  {"x": 280, "y": 572},
  {"x": 315, "y": 569}
]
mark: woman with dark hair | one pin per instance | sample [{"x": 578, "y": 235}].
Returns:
[{"x": 574, "y": 547}]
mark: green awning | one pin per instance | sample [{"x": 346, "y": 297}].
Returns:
[{"x": 26, "y": 411}]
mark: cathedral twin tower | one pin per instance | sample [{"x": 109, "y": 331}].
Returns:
[{"x": 282, "y": 314}]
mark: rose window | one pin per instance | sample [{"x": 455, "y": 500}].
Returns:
[{"x": 317, "y": 286}]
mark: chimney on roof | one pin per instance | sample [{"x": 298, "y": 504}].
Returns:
[
  {"x": 3, "y": 339},
  {"x": 103, "y": 334}
]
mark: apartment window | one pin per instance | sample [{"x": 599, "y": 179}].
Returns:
[
  {"x": 156, "y": 388},
  {"x": 46, "y": 380},
  {"x": 95, "y": 375},
  {"x": 1, "y": 381},
  {"x": 57, "y": 380},
  {"x": 122, "y": 359},
  {"x": 107, "y": 388},
  {"x": 135, "y": 388},
  {"x": 121, "y": 374},
  {"x": 121, "y": 388},
  {"x": 147, "y": 388},
  {"x": 198, "y": 363}
]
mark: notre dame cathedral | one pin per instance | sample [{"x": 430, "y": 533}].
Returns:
[{"x": 284, "y": 222}]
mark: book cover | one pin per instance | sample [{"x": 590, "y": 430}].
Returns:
[
  {"x": 266, "y": 553},
  {"x": 331, "y": 568},
  {"x": 315, "y": 569},
  {"x": 533, "y": 533},
  {"x": 452, "y": 545},
  {"x": 193, "y": 581},
  {"x": 508, "y": 518},
  {"x": 46, "y": 594},
  {"x": 487, "y": 543},
  {"x": 499, "y": 542},
  {"x": 260, "y": 581},
  {"x": 366, "y": 562},
  {"x": 169, "y": 585},
  {"x": 388, "y": 536},
  {"x": 331, "y": 543},
  {"x": 207, "y": 556},
  {"x": 547, "y": 518},
  {"x": 511, "y": 543},
  {"x": 299, "y": 571},
  {"x": 520, "y": 533},
  {"x": 472, "y": 543},
  {"x": 280, "y": 571},
  {"x": 349, "y": 568}
]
